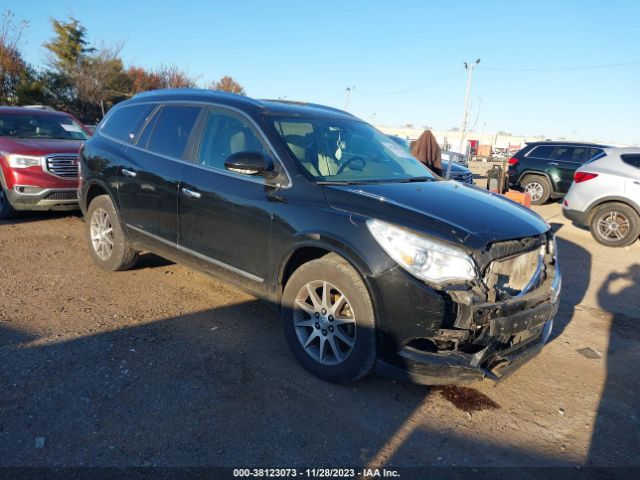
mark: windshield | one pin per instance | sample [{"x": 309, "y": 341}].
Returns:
[
  {"x": 40, "y": 126},
  {"x": 348, "y": 151}
]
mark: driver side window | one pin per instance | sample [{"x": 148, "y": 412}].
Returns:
[{"x": 225, "y": 134}]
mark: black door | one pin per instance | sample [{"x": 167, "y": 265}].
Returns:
[
  {"x": 148, "y": 182},
  {"x": 225, "y": 217}
]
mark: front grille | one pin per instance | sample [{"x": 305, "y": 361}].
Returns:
[
  {"x": 63, "y": 166},
  {"x": 72, "y": 195}
]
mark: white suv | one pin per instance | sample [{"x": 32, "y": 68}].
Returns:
[{"x": 605, "y": 195}]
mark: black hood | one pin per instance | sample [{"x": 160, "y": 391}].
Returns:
[{"x": 448, "y": 210}]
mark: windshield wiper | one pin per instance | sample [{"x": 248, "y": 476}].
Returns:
[
  {"x": 415, "y": 179},
  {"x": 338, "y": 182}
]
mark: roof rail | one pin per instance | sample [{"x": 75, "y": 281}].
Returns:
[{"x": 41, "y": 107}]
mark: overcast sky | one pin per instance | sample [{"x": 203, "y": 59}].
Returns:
[{"x": 405, "y": 58}]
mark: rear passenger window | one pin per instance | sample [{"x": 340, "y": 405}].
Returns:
[
  {"x": 564, "y": 154},
  {"x": 631, "y": 159},
  {"x": 125, "y": 122},
  {"x": 172, "y": 129},
  {"x": 541, "y": 152}
]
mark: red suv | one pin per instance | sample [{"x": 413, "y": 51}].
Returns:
[{"x": 38, "y": 159}]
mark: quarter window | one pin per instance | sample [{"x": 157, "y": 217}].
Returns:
[
  {"x": 631, "y": 159},
  {"x": 225, "y": 134},
  {"x": 172, "y": 130},
  {"x": 125, "y": 122}
]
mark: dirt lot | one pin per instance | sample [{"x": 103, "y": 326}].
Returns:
[{"x": 163, "y": 366}]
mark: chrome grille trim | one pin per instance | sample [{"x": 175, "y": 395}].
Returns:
[{"x": 63, "y": 165}]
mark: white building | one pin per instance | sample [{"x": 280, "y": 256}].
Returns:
[{"x": 451, "y": 139}]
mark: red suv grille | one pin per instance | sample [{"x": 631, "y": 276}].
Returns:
[{"x": 63, "y": 165}]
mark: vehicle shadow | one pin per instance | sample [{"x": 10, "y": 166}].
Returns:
[
  {"x": 575, "y": 267},
  {"x": 620, "y": 399},
  {"x": 151, "y": 260},
  {"x": 28, "y": 217},
  {"x": 213, "y": 388}
]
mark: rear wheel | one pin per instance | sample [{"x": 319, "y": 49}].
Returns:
[
  {"x": 538, "y": 188},
  {"x": 108, "y": 245},
  {"x": 328, "y": 320},
  {"x": 615, "y": 225},
  {"x": 6, "y": 210}
]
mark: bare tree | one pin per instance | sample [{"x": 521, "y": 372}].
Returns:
[
  {"x": 13, "y": 68},
  {"x": 173, "y": 77}
]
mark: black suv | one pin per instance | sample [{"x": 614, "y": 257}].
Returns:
[
  {"x": 370, "y": 260},
  {"x": 545, "y": 169}
]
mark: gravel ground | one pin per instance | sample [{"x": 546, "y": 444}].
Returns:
[{"x": 163, "y": 366}]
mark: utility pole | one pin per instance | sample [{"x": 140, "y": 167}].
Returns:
[
  {"x": 463, "y": 127},
  {"x": 348, "y": 91}
]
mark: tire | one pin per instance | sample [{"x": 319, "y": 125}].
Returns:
[
  {"x": 615, "y": 225},
  {"x": 354, "y": 320},
  {"x": 7, "y": 212},
  {"x": 108, "y": 245},
  {"x": 538, "y": 187}
]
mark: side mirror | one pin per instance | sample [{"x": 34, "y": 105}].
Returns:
[{"x": 249, "y": 163}]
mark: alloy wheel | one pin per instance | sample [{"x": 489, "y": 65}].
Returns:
[
  {"x": 324, "y": 322},
  {"x": 535, "y": 190},
  {"x": 613, "y": 226},
  {"x": 101, "y": 234}
]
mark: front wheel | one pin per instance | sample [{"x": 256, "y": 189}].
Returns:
[
  {"x": 7, "y": 211},
  {"x": 615, "y": 225},
  {"x": 107, "y": 243},
  {"x": 328, "y": 320}
]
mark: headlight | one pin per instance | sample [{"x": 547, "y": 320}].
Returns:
[
  {"x": 424, "y": 258},
  {"x": 23, "y": 161}
]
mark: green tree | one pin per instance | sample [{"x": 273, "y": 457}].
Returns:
[{"x": 69, "y": 47}]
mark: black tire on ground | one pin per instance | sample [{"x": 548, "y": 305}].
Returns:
[
  {"x": 337, "y": 272},
  {"x": 615, "y": 224},
  {"x": 121, "y": 256},
  {"x": 538, "y": 187},
  {"x": 7, "y": 212}
]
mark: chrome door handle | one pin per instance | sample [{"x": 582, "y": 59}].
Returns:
[
  {"x": 190, "y": 193},
  {"x": 128, "y": 173},
  {"x": 553, "y": 163}
]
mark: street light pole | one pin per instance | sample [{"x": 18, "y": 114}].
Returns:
[
  {"x": 348, "y": 90},
  {"x": 463, "y": 127}
]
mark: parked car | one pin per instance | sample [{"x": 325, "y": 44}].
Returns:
[
  {"x": 38, "y": 160},
  {"x": 458, "y": 172},
  {"x": 605, "y": 196},
  {"x": 371, "y": 260},
  {"x": 545, "y": 169},
  {"x": 457, "y": 158}
]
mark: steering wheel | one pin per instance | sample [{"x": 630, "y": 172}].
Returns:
[{"x": 350, "y": 161}]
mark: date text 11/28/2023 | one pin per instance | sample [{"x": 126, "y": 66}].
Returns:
[{"x": 342, "y": 473}]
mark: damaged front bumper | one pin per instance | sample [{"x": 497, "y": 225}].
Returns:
[{"x": 488, "y": 340}]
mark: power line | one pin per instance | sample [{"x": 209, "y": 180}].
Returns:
[
  {"x": 333, "y": 97},
  {"x": 413, "y": 89},
  {"x": 562, "y": 69}
]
